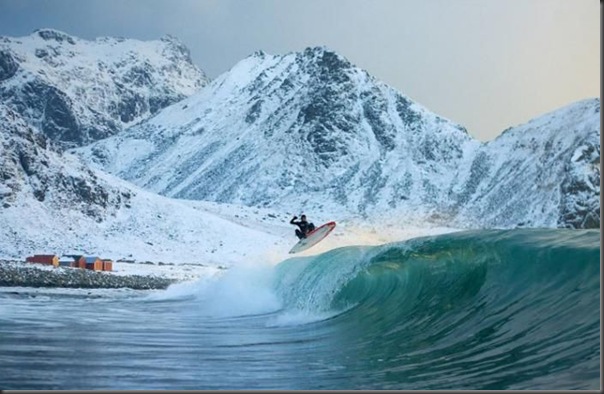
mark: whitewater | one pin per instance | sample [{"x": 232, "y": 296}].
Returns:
[{"x": 488, "y": 309}]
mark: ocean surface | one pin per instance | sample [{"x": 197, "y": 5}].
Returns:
[{"x": 498, "y": 309}]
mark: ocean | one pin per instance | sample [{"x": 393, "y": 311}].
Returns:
[{"x": 495, "y": 309}]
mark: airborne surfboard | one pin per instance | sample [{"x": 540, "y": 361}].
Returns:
[{"x": 313, "y": 237}]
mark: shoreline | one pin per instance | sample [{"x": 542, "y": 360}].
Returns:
[{"x": 15, "y": 273}]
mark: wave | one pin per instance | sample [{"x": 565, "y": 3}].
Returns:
[{"x": 510, "y": 302}]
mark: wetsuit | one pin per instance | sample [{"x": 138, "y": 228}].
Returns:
[{"x": 305, "y": 227}]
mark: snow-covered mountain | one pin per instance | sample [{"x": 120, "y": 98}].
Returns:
[
  {"x": 77, "y": 91},
  {"x": 545, "y": 173},
  {"x": 310, "y": 131},
  {"x": 305, "y": 130},
  {"x": 51, "y": 202}
]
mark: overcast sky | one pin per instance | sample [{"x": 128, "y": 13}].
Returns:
[{"x": 486, "y": 64}]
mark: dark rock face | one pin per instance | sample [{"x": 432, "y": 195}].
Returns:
[
  {"x": 321, "y": 119},
  {"x": 49, "y": 109},
  {"x": 159, "y": 102},
  {"x": 479, "y": 172},
  {"x": 579, "y": 208},
  {"x": 60, "y": 122},
  {"x": 8, "y": 65},
  {"x": 54, "y": 35},
  {"x": 27, "y": 162}
]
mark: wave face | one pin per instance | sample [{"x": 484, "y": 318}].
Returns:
[{"x": 513, "y": 309}]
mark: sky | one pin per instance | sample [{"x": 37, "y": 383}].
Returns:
[{"x": 485, "y": 64}]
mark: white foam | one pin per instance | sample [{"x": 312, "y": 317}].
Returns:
[{"x": 239, "y": 291}]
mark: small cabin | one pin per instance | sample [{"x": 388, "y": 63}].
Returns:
[
  {"x": 93, "y": 263},
  {"x": 48, "y": 259},
  {"x": 80, "y": 261},
  {"x": 67, "y": 261},
  {"x": 107, "y": 264}
]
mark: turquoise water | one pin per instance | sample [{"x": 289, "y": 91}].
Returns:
[{"x": 500, "y": 309}]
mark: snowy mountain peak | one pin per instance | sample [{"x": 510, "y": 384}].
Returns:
[
  {"x": 544, "y": 173},
  {"x": 177, "y": 47},
  {"x": 312, "y": 131},
  {"x": 326, "y": 57},
  {"x": 77, "y": 91},
  {"x": 259, "y": 54},
  {"x": 300, "y": 129}
]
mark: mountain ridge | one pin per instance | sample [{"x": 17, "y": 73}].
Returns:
[{"x": 310, "y": 130}]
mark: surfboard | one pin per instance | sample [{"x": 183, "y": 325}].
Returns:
[{"x": 313, "y": 237}]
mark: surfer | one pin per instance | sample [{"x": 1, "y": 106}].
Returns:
[{"x": 305, "y": 227}]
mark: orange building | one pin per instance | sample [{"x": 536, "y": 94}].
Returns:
[
  {"x": 48, "y": 259},
  {"x": 80, "y": 261},
  {"x": 93, "y": 263},
  {"x": 107, "y": 264}
]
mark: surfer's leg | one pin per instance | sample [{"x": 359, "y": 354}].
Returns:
[{"x": 299, "y": 234}]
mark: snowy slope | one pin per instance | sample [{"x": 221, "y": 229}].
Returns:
[
  {"x": 302, "y": 131},
  {"x": 310, "y": 131},
  {"x": 77, "y": 91},
  {"x": 53, "y": 203}
]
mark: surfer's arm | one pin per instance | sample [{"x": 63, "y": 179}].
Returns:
[{"x": 292, "y": 221}]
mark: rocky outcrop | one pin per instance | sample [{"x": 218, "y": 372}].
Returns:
[
  {"x": 8, "y": 65},
  {"x": 580, "y": 191},
  {"x": 28, "y": 165}
]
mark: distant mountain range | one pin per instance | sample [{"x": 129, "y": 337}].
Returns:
[{"x": 306, "y": 131}]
